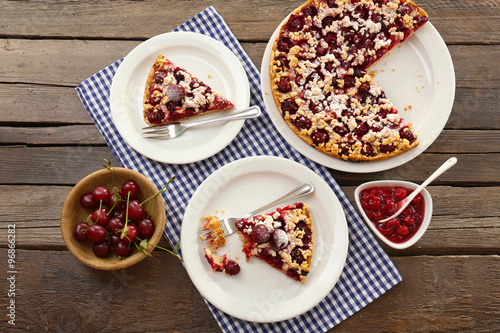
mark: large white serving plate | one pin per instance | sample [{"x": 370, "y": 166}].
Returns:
[
  {"x": 418, "y": 76},
  {"x": 206, "y": 58},
  {"x": 260, "y": 293}
]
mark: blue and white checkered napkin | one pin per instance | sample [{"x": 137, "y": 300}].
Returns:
[{"x": 368, "y": 272}]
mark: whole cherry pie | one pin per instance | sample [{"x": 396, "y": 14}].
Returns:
[
  {"x": 173, "y": 94},
  {"x": 320, "y": 80},
  {"x": 283, "y": 239}
]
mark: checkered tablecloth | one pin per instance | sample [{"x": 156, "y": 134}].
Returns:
[{"x": 368, "y": 272}]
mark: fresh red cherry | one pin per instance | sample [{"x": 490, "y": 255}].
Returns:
[
  {"x": 100, "y": 216},
  {"x": 96, "y": 233},
  {"x": 87, "y": 201},
  {"x": 123, "y": 249},
  {"x": 101, "y": 193},
  {"x": 130, "y": 186},
  {"x": 101, "y": 249},
  {"x": 80, "y": 231},
  {"x": 135, "y": 210},
  {"x": 116, "y": 200},
  {"x": 130, "y": 234},
  {"x": 114, "y": 224},
  {"x": 146, "y": 228},
  {"x": 114, "y": 239}
]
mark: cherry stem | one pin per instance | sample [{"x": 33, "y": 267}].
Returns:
[
  {"x": 108, "y": 166},
  {"x": 143, "y": 250},
  {"x": 163, "y": 189}
]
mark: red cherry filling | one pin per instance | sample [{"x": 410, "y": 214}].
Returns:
[{"x": 380, "y": 202}]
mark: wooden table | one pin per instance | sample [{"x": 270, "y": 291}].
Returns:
[{"x": 48, "y": 143}]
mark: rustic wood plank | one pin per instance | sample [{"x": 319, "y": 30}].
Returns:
[
  {"x": 437, "y": 294},
  {"x": 157, "y": 295},
  {"x": 41, "y": 104},
  {"x": 455, "y": 218},
  {"x": 66, "y": 62},
  {"x": 473, "y": 108},
  {"x": 459, "y": 21},
  {"x": 56, "y": 293},
  {"x": 55, "y": 135},
  {"x": 66, "y": 165},
  {"x": 450, "y": 141}
]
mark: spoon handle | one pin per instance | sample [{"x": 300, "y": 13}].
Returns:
[{"x": 446, "y": 165}]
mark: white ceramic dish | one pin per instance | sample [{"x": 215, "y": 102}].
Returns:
[
  {"x": 427, "y": 211},
  {"x": 419, "y": 74},
  {"x": 209, "y": 60},
  {"x": 260, "y": 293}
]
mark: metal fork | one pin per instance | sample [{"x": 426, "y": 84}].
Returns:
[
  {"x": 228, "y": 224},
  {"x": 172, "y": 130}
]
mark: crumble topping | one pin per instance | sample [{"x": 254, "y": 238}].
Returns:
[{"x": 320, "y": 79}]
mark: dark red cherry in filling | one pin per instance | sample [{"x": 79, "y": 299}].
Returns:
[
  {"x": 320, "y": 136},
  {"x": 296, "y": 23},
  {"x": 159, "y": 76},
  {"x": 403, "y": 9},
  {"x": 331, "y": 38},
  {"x": 232, "y": 267},
  {"x": 279, "y": 239},
  {"x": 310, "y": 11},
  {"x": 340, "y": 130},
  {"x": 284, "y": 44},
  {"x": 327, "y": 21},
  {"x": 406, "y": 133},
  {"x": 362, "y": 12},
  {"x": 297, "y": 255},
  {"x": 332, "y": 3},
  {"x": 179, "y": 76},
  {"x": 349, "y": 81},
  {"x": 306, "y": 237},
  {"x": 289, "y": 106},
  {"x": 361, "y": 130},
  {"x": 155, "y": 116},
  {"x": 284, "y": 85},
  {"x": 303, "y": 123},
  {"x": 368, "y": 149},
  {"x": 387, "y": 148},
  {"x": 221, "y": 103}
]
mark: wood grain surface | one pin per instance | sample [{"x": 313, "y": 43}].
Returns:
[{"x": 48, "y": 143}]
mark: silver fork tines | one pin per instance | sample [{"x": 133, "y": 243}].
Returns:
[
  {"x": 228, "y": 224},
  {"x": 172, "y": 130}
]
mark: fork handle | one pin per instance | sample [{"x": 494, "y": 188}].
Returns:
[
  {"x": 301, "y": 190},
  {"x": 251, "y": 112}
]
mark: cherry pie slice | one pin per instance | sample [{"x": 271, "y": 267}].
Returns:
[
  {"x": 283, "y": 239},
  {"x": 173, "y": 94},
  {"x": 320, "y": 80}
]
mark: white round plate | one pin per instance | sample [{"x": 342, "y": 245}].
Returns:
[
  {"x": 204, "y": 57},
  {"x": 417, "y": 76},
  {"x": 261, "y": 293}
]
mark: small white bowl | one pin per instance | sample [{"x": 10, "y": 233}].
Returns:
[{"x": 391, "y": 183}]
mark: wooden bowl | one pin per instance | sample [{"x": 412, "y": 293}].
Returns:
[{"x": 73, "y": 212}]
